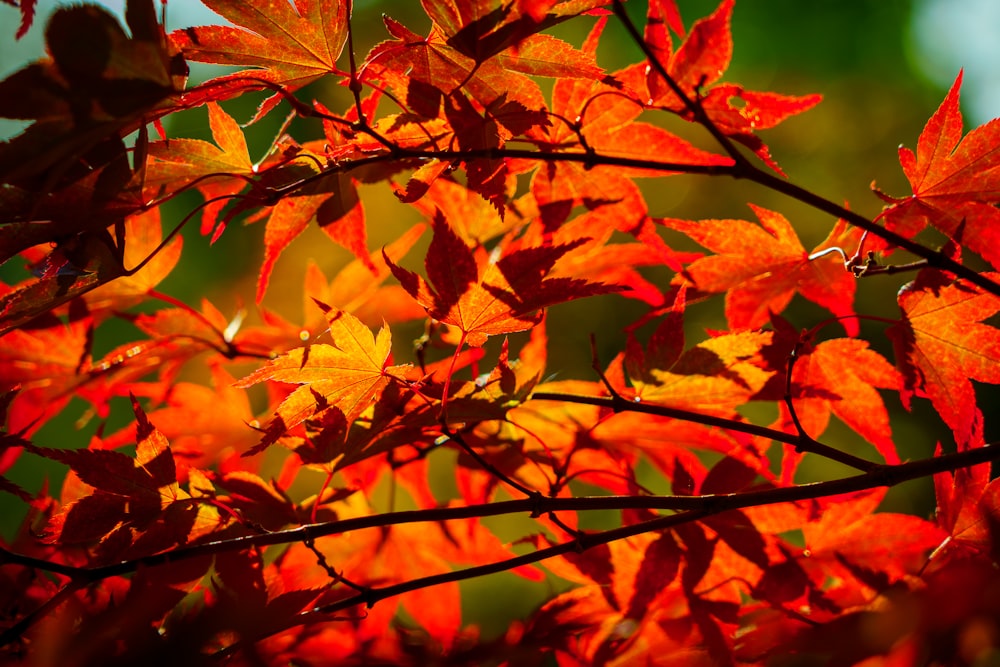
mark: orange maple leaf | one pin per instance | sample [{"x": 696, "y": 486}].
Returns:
[
  {"x": 198, "y": 436},
  {"x": 178, "y": 162},
  {"x": 841, "y": 376},
  {"x": 343, "y": 378},
  {"x": 45, "y": 362},
  {"x": 848, "y": 534},
  {"x": 762, "y": 267},
  {"x": 144, "y": 234}
]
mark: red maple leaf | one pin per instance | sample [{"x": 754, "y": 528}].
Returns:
[
  {"x": 284, "y": 44},
  {"x": 942, "y": 345},
  {"x": 955, "y": 181},
  {"x": 699, "y": 62},
  {"x": 761, "y": 267}
]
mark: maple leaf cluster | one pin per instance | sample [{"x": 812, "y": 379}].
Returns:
[{"x": 242, "y": 512}]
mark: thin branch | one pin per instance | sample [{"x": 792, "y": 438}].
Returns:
[
  {"x": 617, "y": 403},
  {"x": 17, "y": 630},
  {"x": 457, "y": 438}
]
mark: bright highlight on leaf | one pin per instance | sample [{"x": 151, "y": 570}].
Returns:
[{"x": 339, "y": 380}]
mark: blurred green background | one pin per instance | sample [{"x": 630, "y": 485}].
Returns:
[{"x": 882, "y": 67}]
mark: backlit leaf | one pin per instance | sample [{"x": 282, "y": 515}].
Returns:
[
  {"x": 955, "y": 181},
  {"x": 344, "y": 377},
  {"x": 942, "y": 345},
  {"x": 281, "y": 43},
  {"x": 760, "y": 267}
]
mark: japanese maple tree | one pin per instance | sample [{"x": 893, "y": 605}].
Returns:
[{"x": 312, "y": 491}]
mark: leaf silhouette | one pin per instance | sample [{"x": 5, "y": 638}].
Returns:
[{"x": 99, "y": 83}]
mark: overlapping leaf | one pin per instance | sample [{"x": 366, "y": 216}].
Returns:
[
  {"x": 838, "y": 376},
  {"x": 143, "y": 234},
  {"x": 479, "y": 45},
  {"x": 849, "y": 537},
  {"x": 89, "y": 267},
  {"x": 355, "y": 288},
  {"x": 605, "y": 117},
  {"x": 198, "y": 436},
  {"x": 485, "y": 297},
  {"x": 841, "y": 376},
  {"x": 342, "y": 378},
  {"x": 337, "y": 210},
  {"x": 127, "y": 506},
  {"x": 220, "y": 170},
  {"x": 968, "y": 508},
  {"x": 79, "y": 266},
  {"x": 713, "y": 377}
]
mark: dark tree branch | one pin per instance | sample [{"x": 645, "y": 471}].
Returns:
[
  {"x": 619, "y": 404},
  {"x": 692, "y": 508}
]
